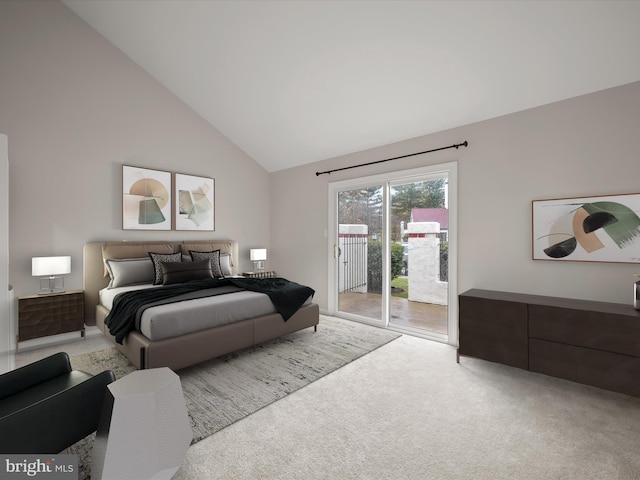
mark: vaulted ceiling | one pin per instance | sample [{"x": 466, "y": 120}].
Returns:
[{"x": 293, "y": 82}]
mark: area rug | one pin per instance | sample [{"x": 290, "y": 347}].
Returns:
[{"x": 224, "y": 390}]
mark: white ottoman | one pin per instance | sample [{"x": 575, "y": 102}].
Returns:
[{"x": 144, "y": 430}]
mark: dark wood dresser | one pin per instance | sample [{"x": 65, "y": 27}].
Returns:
[
  {"x": 594, "y": 343},
  {"x": 44, "y": 315}
]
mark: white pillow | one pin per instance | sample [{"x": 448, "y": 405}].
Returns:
[
  {"x": 225, "y": 264},
  {"x": 129, "y": 271}
]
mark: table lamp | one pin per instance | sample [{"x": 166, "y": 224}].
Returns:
[
  {"x": 51, "y": 268},
  {"x": 258, "y": 256}
]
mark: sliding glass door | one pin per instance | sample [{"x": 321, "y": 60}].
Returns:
[
  {"x": 419, "y": 250},
  {"x": 359, "y": 252},
  {"x": 393, "y": 258}
]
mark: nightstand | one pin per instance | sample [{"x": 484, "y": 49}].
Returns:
[
  {"x": 261, "y": 274},
  {"x": 51, "y": 314}
]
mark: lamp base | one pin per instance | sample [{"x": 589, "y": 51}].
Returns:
[
  {"x": 258, "y": 265},
  {"x": 51, "y": 285}
]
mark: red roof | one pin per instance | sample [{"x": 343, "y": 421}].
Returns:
[{"x": 440, "y": 215}]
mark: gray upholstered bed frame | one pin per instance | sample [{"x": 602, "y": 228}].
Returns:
[{"x": 186, "y": 350}]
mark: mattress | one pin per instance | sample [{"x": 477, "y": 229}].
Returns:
[{"x": 179, "y": 318}]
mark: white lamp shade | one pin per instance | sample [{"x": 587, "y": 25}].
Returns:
[
  {"x": 47, "y": 266},
  {"x": 258, "y": 254}
]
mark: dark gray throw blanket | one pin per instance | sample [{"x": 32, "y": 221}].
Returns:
[{"x": 287, "y": 297}]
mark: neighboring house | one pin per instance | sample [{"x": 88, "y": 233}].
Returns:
[{"x": 439, "y": 215}]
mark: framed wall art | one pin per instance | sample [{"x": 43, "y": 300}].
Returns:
[
  {"x": 146, "y": 199},
  {"x": 194, "y": 202},
  {"x": 589, "y": 229}
]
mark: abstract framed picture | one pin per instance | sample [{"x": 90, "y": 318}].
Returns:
[
  {"x": 587, "y": 229},
  {"x": 146, "y": 199},
  {"x": 194, "y": 202}
]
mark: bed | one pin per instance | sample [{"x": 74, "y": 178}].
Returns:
[{"x": 250, "y": 318}]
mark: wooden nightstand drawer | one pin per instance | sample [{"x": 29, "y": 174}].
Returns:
[{"x": 44, "y": 315}]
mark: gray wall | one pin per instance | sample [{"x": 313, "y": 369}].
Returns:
[
  {"x": 583, "y": 146},
  {"x": 75, "y": 109}
]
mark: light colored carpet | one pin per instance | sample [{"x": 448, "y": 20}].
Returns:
[
  {"x": 408, "y": 411},
  {"x": 226, "y": 389}
]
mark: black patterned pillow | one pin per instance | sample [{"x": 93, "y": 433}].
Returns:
[
  {"x": 158, "y": 259},
  {"x": 214, "y": 257}
]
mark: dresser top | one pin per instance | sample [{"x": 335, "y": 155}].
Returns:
[{"x": 572, "y": 303}]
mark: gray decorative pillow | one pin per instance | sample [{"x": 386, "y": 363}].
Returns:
[
  {"x": 173, "y": 272},
  {"x": 157, "y": 259},
  {"x": 129, "y": 271},
  {"x": 214, "y": 257}
]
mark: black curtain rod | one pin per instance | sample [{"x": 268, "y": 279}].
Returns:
[{"x": 329, "y": 172}]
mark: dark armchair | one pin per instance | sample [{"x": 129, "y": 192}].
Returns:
[{"x": 46, "y": 406}]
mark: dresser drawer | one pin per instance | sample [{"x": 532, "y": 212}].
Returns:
[
  {"x": 612, "y": 371},
  {"x": 493, "y": 330},
  {"x": 583, "y": 328}
]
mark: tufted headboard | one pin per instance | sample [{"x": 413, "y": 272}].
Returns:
[{"x": 96, "y": 277}]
